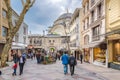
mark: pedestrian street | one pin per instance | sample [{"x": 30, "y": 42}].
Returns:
[{"x": 34, "y": 71}]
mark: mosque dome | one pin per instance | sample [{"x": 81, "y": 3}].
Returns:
[{"x": 65, "y": 15}]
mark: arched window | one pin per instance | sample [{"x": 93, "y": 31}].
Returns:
[{"x": 86, "y": 39}]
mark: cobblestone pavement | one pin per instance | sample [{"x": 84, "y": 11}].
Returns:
[{"x": 33, "y": 71}]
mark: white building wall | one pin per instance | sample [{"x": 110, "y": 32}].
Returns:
[{"x": 20, "y": 32}]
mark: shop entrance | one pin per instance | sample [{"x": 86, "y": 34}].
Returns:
[
  {"x": 87, "y": 55},
  {"x": 77, "y": 55}
]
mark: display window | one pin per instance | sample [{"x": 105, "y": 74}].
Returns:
[
  {"x": 87, "y": 55},
  {"x": 99, "y": 55},
  {"x": 116, "y": 50}
]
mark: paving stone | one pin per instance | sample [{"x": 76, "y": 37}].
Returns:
[{"x": 34, "y": 71}]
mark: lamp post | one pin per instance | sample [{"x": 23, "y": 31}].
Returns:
[{"x": 67, "y": 37}]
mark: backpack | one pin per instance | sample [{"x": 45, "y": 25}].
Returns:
[{"x": 72, "y": 61}]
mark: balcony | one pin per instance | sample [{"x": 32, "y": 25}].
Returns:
[{"x": 96, "y": 38}]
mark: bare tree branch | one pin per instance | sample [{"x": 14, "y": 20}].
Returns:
[
  {"x": 27, "y": 6},
  {"x": 33, "y": 1},
  {"x": 23, "y": 3},
  {"x": 9, "y": 13},
  {"x": 12, "y": 30}
]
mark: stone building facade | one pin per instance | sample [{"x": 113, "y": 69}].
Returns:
[
  {"x": 93, "y": 32},
  {"x": 49, "y": 42},
  {"x": 75, "y": 32},
  {"x": 57, "y": 37},
  {"x": 113, "y": 32},
  {"x": 3, "y": 24}
]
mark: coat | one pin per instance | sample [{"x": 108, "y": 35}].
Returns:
[{"x": 65, "y": 59}]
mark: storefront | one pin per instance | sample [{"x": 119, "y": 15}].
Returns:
[
  {"x": 99, "y": 56},
  {"x": 116, "y": 51},
  {"x": 1, "y": 48},
  {"x": 86, "y": 55},
  {"x": 77, "y": 54},
  {"x": 114, "y": 60}
]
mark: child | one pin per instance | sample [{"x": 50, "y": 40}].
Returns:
[{"x": 15, "y": 68}]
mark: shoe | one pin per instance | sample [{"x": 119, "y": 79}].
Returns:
[{"x": 12, "y": 74}]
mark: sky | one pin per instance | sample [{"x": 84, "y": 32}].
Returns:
[{"x": 44, "y": 12}]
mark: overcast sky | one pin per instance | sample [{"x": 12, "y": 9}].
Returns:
[{"x": 45, "y": 12}]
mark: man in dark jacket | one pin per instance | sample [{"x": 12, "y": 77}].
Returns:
[
  {"x": 72, "y": 63},
  {"x": 21, "y": 63},
  {"x": 81, "y": 58}
]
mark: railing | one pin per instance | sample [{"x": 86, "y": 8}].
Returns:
[{"x": 95, "y": 38}]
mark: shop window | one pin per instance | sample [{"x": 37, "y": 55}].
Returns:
[
  {"x": 99, "y": 55},
  {"x": 116, "y": 50},
  {"x": 4, "y": 31},
  {"x": 87, "y": 55}
]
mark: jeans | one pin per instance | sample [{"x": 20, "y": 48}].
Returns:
[
  {"x": 38, "y": 60},
  {"x": 72, "y": 67},
  {"x": 65, "y": 69},
  {"x": 14, "y": 73},
  {"x": 21, "y": 65}
]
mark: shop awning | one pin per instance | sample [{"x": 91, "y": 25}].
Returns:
[
  {"x": 95, "y": 44},
  {"x": 18, "y": 45}
]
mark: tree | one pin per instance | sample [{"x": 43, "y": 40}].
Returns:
[
  {"x": 67, "y": 37},
  {"x": 27, "y": 4}
]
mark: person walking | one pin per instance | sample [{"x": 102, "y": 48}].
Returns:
[
  {"x": 15, "y": 56},
  {"x": 21, "y": 64},
  {"x": 14, "y": 68},
  {"x": 38, "y": 56},
  {"x": 65, "y": 59},
  {"x": 81, "y": 58},
  {"x": 34, "y": 54},
  {"x": 72, "y": 63}
]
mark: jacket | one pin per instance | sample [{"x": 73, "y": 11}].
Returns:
[
  {"x": 65, "y": 59},
  {"x": 15, "y": 66}
]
